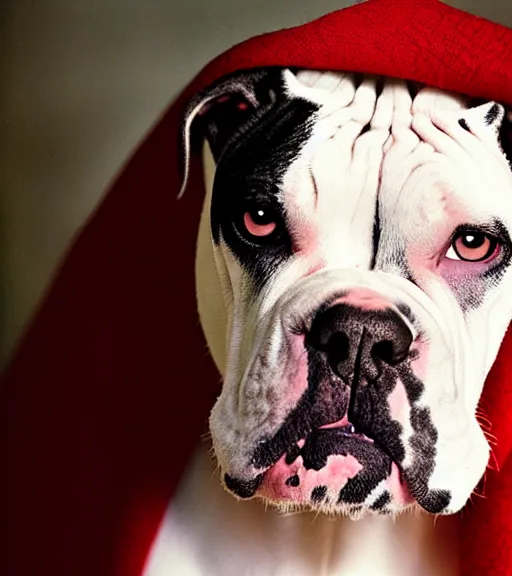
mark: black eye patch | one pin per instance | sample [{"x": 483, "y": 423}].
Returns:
[{"x": 250, "y": 173}]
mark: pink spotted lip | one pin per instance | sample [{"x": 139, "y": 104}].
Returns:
[
  {"x": 292, "y": 482},
  {"x": 289, "y": 480}
]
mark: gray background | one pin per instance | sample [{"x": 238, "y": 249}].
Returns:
[{"x": 81, "y": 82}]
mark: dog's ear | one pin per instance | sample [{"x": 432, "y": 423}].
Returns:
[
  {"x": 227, "y": 107},
  {"x": 224, "y": 108},
  {"x": 492, "y": 122}
]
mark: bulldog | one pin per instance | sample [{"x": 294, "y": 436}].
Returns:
[{"x": 354, "y": 285}]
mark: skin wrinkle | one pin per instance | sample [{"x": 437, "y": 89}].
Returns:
[
  {"x": 375, "y": 171},
  {"x": 360, "y": 199}
]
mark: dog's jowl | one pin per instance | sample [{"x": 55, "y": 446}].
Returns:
[{"x": 360, "y": 229}]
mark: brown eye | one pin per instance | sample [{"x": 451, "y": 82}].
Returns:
[
  {"x": 472, "y": 246},
  {"x": 260, "y": 222}
]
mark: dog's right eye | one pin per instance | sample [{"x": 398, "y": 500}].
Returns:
[{"x": 260, "y": 222}]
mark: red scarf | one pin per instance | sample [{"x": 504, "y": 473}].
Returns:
[{"x": 110, "y": 389}]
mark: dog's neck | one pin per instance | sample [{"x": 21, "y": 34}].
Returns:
[{"x": 206, "y": 532}]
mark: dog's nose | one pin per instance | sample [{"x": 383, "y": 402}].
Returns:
[{"x": 357, "y": 342}]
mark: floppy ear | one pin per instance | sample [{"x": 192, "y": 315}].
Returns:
[{"x": 228, "y": 107}]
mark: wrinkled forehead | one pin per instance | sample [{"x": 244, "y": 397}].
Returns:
[{"x": 389, "y": 138}]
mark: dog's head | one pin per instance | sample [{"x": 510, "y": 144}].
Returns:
[{"x": 354, "y": 260}]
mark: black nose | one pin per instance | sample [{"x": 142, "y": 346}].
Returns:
[{"x": 356, "y": 340}]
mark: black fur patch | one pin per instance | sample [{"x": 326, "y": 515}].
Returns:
[
  {"x": 436, "y": 501},
  {"x": 318, "y": 494},
  {"x": 324, "y": 401},
  {"x": 382, "y": 501},
  {"x": 505, "y": 136},
  {"x": 242, "y": 488},
  {"x": 492, "y": 114},
  {"x": 249, "y": 173},
  {"x": 464, "y": 124},
  {"x": 376, "y": 231}
]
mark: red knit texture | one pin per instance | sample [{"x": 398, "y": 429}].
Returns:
[{"x": 110, "y": 389}]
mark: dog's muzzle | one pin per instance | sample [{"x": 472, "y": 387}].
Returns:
[
  {"x": 334, "y": 446},
  {"x": 349, "y": 401}
]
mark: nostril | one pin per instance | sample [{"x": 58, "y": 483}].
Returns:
[
  {"x": 384, "y": 350},
  {"x": 389, "y": 352},
  {"x": 328, "y": 331},
  {"x": 338, "y": 348}
]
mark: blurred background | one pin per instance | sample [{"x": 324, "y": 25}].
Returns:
[{"x": 81, "y": 82}]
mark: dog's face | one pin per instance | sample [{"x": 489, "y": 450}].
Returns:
[{"x": 361, "y": 231}]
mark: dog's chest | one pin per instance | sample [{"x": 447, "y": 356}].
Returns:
[{"x": 206, "y": 532}]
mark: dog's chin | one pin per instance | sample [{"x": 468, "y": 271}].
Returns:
[
  {"x": 333, "y": 508},
  {"x": 350, "y": 511},
  {"x": 335, "y": 471}
]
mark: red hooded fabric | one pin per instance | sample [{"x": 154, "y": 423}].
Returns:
[{"x": 111, "y": 387}]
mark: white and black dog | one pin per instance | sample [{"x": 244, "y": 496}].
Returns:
[{"x": 354, "y": 285}]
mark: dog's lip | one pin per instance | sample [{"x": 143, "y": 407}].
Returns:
[
  {"x": 347, "y": 427},
  {"x": 272, "y": 449},
  {"x": 246, "y": 488},
  {"x": 403, "y": 490},
  {"x": 329, "y": 459}
]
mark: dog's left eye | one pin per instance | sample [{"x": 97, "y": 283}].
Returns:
[
  {"x": 260, "y": 221},
  {"x": 472, "y": 246}
]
